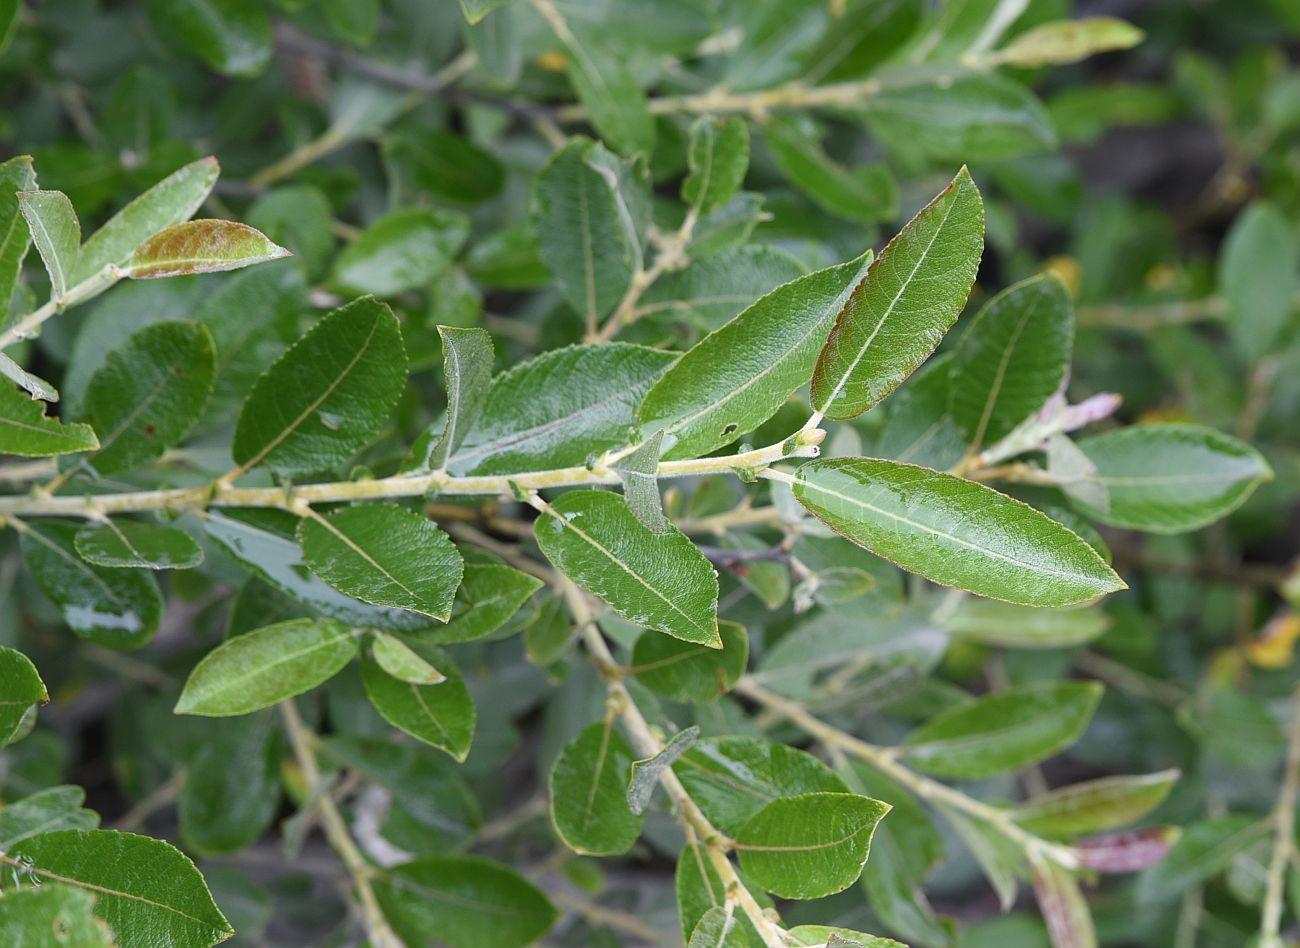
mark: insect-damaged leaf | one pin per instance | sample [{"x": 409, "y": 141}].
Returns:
[{"x": 25, "y": 430}]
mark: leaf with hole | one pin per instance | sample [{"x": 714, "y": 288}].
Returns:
[{"x": 25, "y": 429}]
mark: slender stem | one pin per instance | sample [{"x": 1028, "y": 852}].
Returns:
[
  {"x": 336, "y": 830},
  {"x": 1283, "y": 836},
  {"x": 743, "y": 516},
  {"x": 26, "y": 327},
  {"x": 160, "y": 797}
]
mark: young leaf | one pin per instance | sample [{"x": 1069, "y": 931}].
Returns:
[
  {"x": 129, "y": 543},
  {"x": 1172, "y": 477},
  {"x": 1126, "y": 852},
  {"x": 489, "y": 595},
  {"x": 463, "y": 901},
  {"x": 32, "y": 916},
  {"x": 588, "y": 788},
  {"x": 21, "y": 687},
  {"x": 1093, "y": 806},
  {"x": 1068, "y": 41},
  {"x": 1075, "y": 473},
  {"x": 397, "y": 658},
  {"x": 660, "y": 581},
  {"x": 442, "y": 715},
  {"x": 645, "y": 773},
  {"x": 26, "y": 431},
  {"x": 685, "y": 671},
  {"x": 117, "y": 608},
  {"x": 34, "y": 385},
  {"x": 57, "y": 234},
  {"x": 809, "y": 846},
  {"x": 559, "y": 409},
  {"x": 736, "y": 378},
  {"x": 204, "y": 246},
  {"x": 467, "y": 357},
  {"x": 911, "y": 295},
  {"x": 327, "y": 395},
  {"x": 1012, "y": 359},
  {"x": 171, "y": 201},
  {"x": 718, "y": 158},
  {"x": 265, "y": 666},
  {"x": 231, "y": 36},
  {"x": 954, "y": 531},
  {"x": 1065, "y": 910},
  {"x": 149, "y": 393},
  {"x": 385, "y": 555},
  {"x": 1004, "y": 731},
  {"x": 16, "y": 175},
  {"x": 638, "y": 472},
  {"x": 55, "y": 808},
  {"x": 403, "y": 250},
  {"x": 147, "y": 891},
  {"x": 868, "y": 193}
]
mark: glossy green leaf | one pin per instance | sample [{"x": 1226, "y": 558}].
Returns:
[
  {"x": 21, "y": 687},
  {"x": 685, "y": 671},
  {"x": 1004, "y": 731},
  {"x": 467, "y": 357},
  {"x": 203, "y": 246},
  {"x": 809, "y": 846},
  {"x": 172, "y": 200},
  {"x": 1258, "y": 274},
  {"x": 441, "y": 715},
  {"x": 25, "y": 429},
  {"x": 953, "y": 531},
  {"x": 16, "y": 175},
  {"x": 327, "y": 395},
  {"x": 231, "y": 36},
  {"x": 34, "y": 916},
  {"x": 645, "y": 773},
  {"x": 1094, "y": 805},
  {"x": 1004, "y": 625},
  {"x": 718, "y": 157},
  {"x": 638, "y": 472},
  {"x": 657, "y": 580},
  {"x": 489, "y": 595},
  {"x": 463, "y": 901},
  {"x": 149, "y": 393},
  {"x": 813, "y": 935},
  {"x": 444, "y": 164},
  {"x": 57, "y": 234},
  {"x": 736, "y": 378},
  {"x": 714, "y": 288},
  {"x": 1068, "y": 41},
  {"x": 147, "y": 891},
  {"x": 560, "y": 408},
  {"x": 400, "y": 661},
  {"x": 403, "y": 250},
  {"x": 1012, "y": 359},
  {"x": 911, "y": 295},
  {"x": 267, "y": 665},
  {"x": 224, "y": 808},
  {"x": 385, "y": 555},
  {"x": 113, "y": 607},
  {"x": 55, "y": 808},
  {"x": 867, "y": 193},
  {"x": 130, "y": 543},
  {"x": 588, "y": 788},
  {"x": 1172, "y": 477},
  {"x": 1203, "y": 851}
]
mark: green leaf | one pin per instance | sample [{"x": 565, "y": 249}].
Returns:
[
  {"x": 57, "y": 234},
  {"x": 718, "y": 158},
  {"x": 1068, "y": 41},
  {"x": 657, "y": 580},
  {"x": 1065, "y": 910},
  {"x": 954, "y": 532},
  {"x": 129, "y": 543},
  {"x": 588, "y": 788},
  {"x": 919, "y": 428},
  {"x": 441, "y": 715},
  {"x": 638, "y": 473},
  {"x": 385, "y": 555},
  {"x": 231, "y": 36},
  {"x": 21, "y": 687},
  {"x": 444, "y": 164},
  {"x": 149, "y": 393},
  {"x": 26, "y": 431},
  {"x": 911, "y": 295},
  {"x": 719, "y": 928},
  {"x": 265, "y": 666},
  {"x": 476, "y": 10},
  {"x": 55, "y": 808},
  {"x": 467, "y": 357},
  {"x": 1012, "y": 359},
  {"x": 1169, "y": 478},
  {"x": 714, "y": 288},
  {"x": 863, "y": 37},
  {"x": 16, "y": 175},
  {"x": 733, "y": 778},
  {"x": 736, "y": 378},
  {"x": 645, "y": 773},
  {"x": 298, "y": 216},
  {"x": 145, "y": 889},
  {"x": 809, "y": 846},
  {"x": 232, "y": 784},
  {"x": 1002, "y": 860},
  {"x": 1258, "y": 275},
  {"x": 685, "y": 671},
  {"x": 1203, "y": 851},
  {"x": 403, "y": 250},
  {"x": 464, "y": 901},
  {"x": 699, "y": 891},
  {"x": 113, "y": 607},
  {"x": 327, "y": 395},
  {"x": 397, "y": 658},
  {"x": 1003, "y": 625},
  {"x": 489, "y": 595},
  {"x": 1094, "y": 805},
  {"x": 33, "y": 916},
  {"x": 608, "y": 89},
  {"x": 586, "y": 230},
  {"x": 559, "y": 409},
  {"x": 867, "y": 193},
  {"x": 356, "y": 21},
  {"x": 814, "y": 935},
  {"x": 204, "y": 246},
  {"x": 1004, "y": 731},
  {"x": 34, "y": 385},
  {"x": 172, "y": 200}
]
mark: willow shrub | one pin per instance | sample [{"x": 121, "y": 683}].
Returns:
[{"x": 628, "y": 462}]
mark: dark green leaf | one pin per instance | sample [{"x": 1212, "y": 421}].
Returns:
[
  {"x": 25, "y": 429},
  {"x": 441, "y": 715},
  {"x": 232, "y": 785},
  {"x": 20, "y": 688},
  {"x": 467, "y": 357},
  {"x": 444, "y": 164},
  {"x": 403, "y": 250},
  {"x": 488, "y": 596},
  {"x": 129, "y": 543},
  {"x": 919, "y": 429},
  {"x": 868, "y": 193},
  {"x": 16, "y": 175},
  {"x": 718, "y": 157},
  {"x": 588, "y": 789},
  {"x": 685, "y": 671},
  {"x": 231, "y": 36}
]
